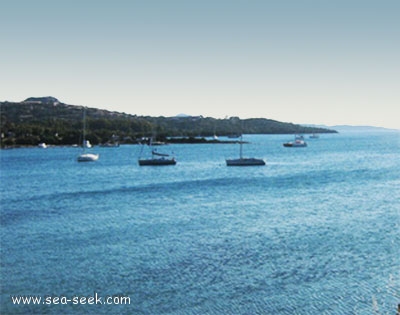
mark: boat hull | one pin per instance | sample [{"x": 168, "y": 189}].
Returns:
[
  {"x": 295, "y": 145},
  {"x": 87, "y": 157},
  {"x": 245, "y": 162},
  {"x": 157, "y": 162}
]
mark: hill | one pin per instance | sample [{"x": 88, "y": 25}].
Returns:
[{"x": 46, "y": 119}]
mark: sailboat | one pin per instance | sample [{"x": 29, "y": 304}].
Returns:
[
  {"x": 84, "y": 156},
  {"x": 157, "y": 159},
  {"x": 241, "y": 161}
]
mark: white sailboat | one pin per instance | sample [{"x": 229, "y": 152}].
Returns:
[
  {"x": 241, "y": 161},
  {"x": 85, "y": 156}
]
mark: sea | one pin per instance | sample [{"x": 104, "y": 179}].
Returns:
[{"x": 314, "y": 231}]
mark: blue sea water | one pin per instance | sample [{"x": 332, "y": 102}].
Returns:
[{"x": 315, "y": 231}]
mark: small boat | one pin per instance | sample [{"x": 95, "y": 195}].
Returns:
[
  {"x": 314, "y": 136},
  {"x": 87, "y": 157},
  {"x": 157, "y": 162},
  {"x": 241, "y": 161},
  {"x": 245, "y": 162},
  {"x": 233, "y": 136},
  {"x": 42, "y": 145},
  {"x": 84, "y": 156},
  {"x": 157, "y": 159},
  {"x": 157, "y": 143},
  {"x": 87, "y": 144},
  {"x": 110, "y": 145},
  {"x": 297, "y": 143}
]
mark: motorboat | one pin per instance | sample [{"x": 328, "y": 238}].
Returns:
[{"x": 297, "y": 143}]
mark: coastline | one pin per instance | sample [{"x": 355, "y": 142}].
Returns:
[{"x": 180, "y": 140}]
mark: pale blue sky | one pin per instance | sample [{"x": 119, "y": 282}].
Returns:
[{"x": 302, "y": 61}]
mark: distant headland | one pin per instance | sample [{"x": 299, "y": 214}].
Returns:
[{"x": 48, "y": 120}]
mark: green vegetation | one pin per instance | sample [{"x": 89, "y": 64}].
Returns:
[{"x": 47, "y": 120}]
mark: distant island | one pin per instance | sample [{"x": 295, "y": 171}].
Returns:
[
  {"x": 352, "y": 128},
  {"x": 347, "y": 128},
  {"x": 46, "y": 119}
]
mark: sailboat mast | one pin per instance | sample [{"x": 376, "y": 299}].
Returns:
[{"x": 84, "y": 128}]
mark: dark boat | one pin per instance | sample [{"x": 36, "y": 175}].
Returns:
[
  {"x": 245, "y": 162},
  {"x": 241, "y": 161},
  {"x": 157, "y": 159},
  {"x": 297, "y": 143},
  {"x": 157, "y": 162}
]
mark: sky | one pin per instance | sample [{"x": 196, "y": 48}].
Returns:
[{"x": 301, "y": 61}]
